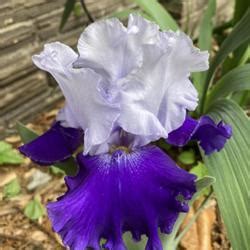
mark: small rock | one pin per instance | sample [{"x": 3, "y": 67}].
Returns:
[
  {"x": 38, "y": 178},
  {"x": 13, "y": 139},
  {"x": 38, "y": 236}
]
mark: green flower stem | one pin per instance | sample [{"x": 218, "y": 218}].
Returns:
[{"x": 85, "y": 9}]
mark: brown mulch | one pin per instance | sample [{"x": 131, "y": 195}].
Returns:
[{"x": 19, "y": 232}]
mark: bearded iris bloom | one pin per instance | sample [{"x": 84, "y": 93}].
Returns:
[{"x": 127, "y": 87}]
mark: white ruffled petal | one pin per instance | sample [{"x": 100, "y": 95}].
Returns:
[
  {"x": 67, "y": 118},
  {"x": 142, "y": 94},
  {"x": 135, "y": 79},
  {"x": 80, "y": 87},
  {"x": 103, "y": 47},
  {"x": 179, "y": 97},
  {"x": 145, "y": 31},
  {"x": 55, "y": 57},
  {"x": 155, "y": 98},
  {"x": 186, "y": 58}
]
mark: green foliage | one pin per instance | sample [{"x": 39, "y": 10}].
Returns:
[
  {"x": 206, "y": 27},
  {"x": 237, "y": 58},
  {"x": 159, "y": 14},
  {"x": 11, "y": 189},
  {"x": 69, "y": 166},
  {"x": 187, "y": 157},
  {"x": 242, "y": 98},
  {"x": 240, "y": 35},
  {"x": 235, "y": 80},
  {"x": 205, "y": 41},
  {"x": 34, "y": 210},
  {"x": 202, "y": 184},
  {"x": 163, "y": 145},
  {"x": 132, "y": 245},
  {"x": 75, "y": 7},
  {"x": 240, "y": 55},
  {"x": 8, "y": 155},
  {"x": 123, "y": 14},
  {"x": 26, "y": 134},
  {"x": 199, "y": 170},
  {"x": 56, "y": 171},
  {"x": 230, "y": 167},
  {"x": 77, "y": 10},
  {"x": 240, "y": 8},
  {"x": 68, "y": 9}
]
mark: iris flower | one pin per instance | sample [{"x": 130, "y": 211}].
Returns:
[{"x": 126, "y": 88}]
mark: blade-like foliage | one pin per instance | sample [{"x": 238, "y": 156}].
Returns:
[
  {"x": 158, "y": 13},
  {"x": 69, "y": 166},
  {"x": 26, "y": 134},
  {"x": 123, "y": 14},
  {"x": 239, "y": 36},
  {"x": 241, "y": 54},
  {"x": 242, "y": 98},
  {"x": 68, "y": 8},
  {"x": 231, "y": 168},
  {"x": 239, "y": 9},
  {"x": 206, "y": 27},
  {"x": 237, "y": 79},
  {"x": 205, "y": 40}
]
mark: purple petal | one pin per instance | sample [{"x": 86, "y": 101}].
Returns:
[
  {"x": 211, "y": 136},
  {"x": 183, "y": 134},
  {"x": 135, "y": 191},
  {"x": 57, "y": 144}
]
